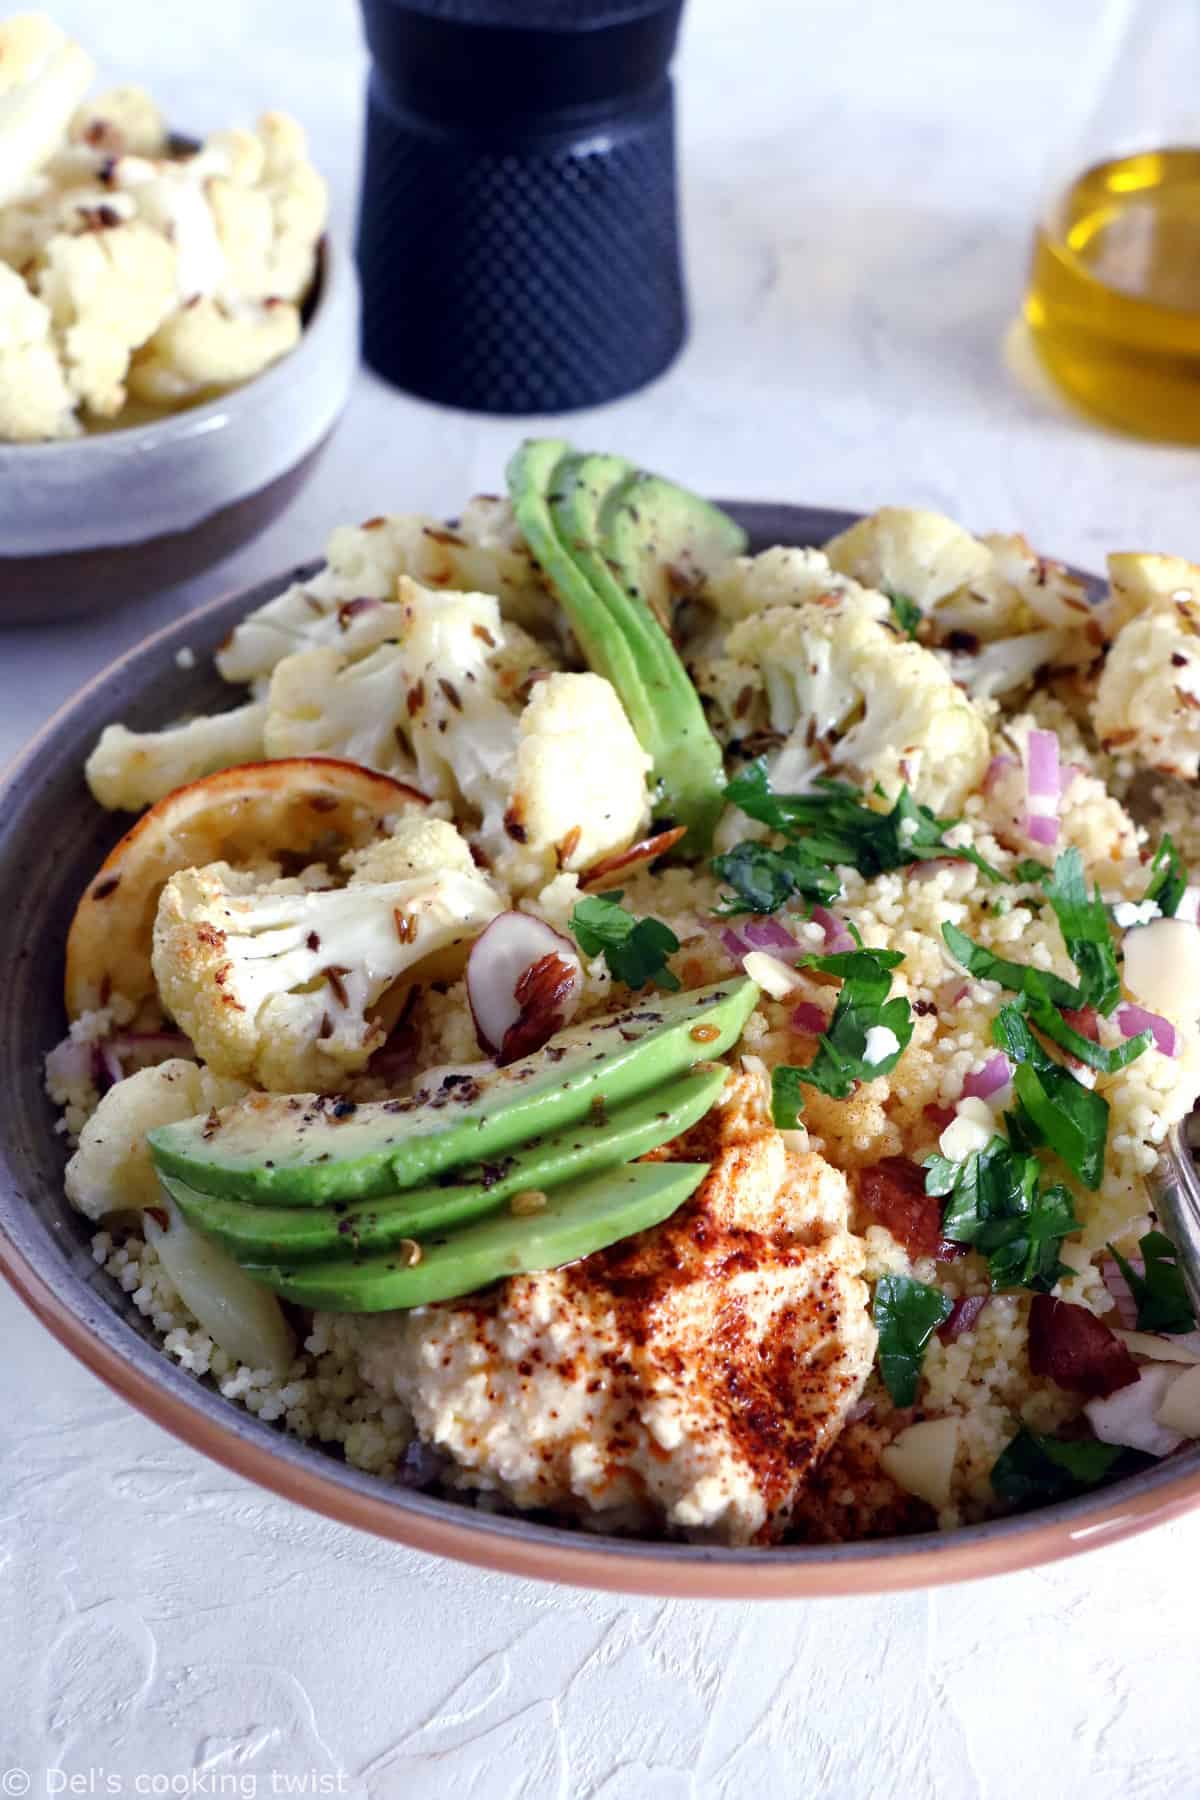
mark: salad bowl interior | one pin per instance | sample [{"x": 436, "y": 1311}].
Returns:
[{"x": 52, "y": 838}]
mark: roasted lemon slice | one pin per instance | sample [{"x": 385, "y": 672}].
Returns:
[{"x": 300, "y": 809}]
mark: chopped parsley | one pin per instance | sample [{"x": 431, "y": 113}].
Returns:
[
  {"x": 834, "y": 826},
  {"x": 1029, "y": 869},
  {"x": 764, "y": 879},
  {"x": 1085, "y": 928},
  {"x": 1034, "y": 1469},
  {"x": 1162, "y": 1299},
  {"x": 995, "y": 1203},
  {"x": 905, "y": 612},
  {"x": 636, "y": 950},
  {"x": 1060, "y": 1031},
  {"x": 1168, "y": 879},
  {"x": 841, "y": 1059},
  {"x": 906, "y": 1315},
  {"x": 1053, "y": 1109}
]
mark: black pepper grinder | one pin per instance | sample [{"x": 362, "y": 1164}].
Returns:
[{"x": 518, "y": 236}]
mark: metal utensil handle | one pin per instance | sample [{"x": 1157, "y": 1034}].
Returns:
[{"x": 1177, "y": 1203}]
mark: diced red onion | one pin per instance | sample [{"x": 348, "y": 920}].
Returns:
[
  {"x": 837, "y": 937},
  {"x": 1041, "y": 829},
  {"x": 1118, "y": 1287},
  {"x": 962, "y": 1316},
  {"x": 109, "y": 1064},
  {"x": 996, "y": 769},
  {"x": 1043, "y": 778},
  {"x": 767, "y": 934},
  {"x": 733, "y": 945},
  {"x": 995, "y": 1074},
  {"x": 808, "y": 1017},
  {"x": 1085, "y": 1020},
  {"x": 1135, "y": 1019}
]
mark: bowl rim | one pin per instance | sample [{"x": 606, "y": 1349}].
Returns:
[
  {"x": 217, "y": 414},
  {"x": 101, "y": 1338}
]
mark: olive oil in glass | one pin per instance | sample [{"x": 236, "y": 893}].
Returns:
[
  {"x": 1114, "y": 294},
  {"x": 1114, "y": 298}
]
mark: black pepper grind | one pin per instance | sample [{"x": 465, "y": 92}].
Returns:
[{"x": 518, "y": 236}]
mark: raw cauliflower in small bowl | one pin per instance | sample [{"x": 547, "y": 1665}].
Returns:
[{"x": 145, "y": 280}]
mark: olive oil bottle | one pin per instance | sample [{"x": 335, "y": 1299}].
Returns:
[{"x": 1114, "y": 293}]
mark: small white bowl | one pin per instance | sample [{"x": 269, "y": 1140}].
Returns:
[{"x": 91, "y": 523}]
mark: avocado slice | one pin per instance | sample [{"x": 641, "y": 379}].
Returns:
[
  {"x": 305, "y": 1150},
  {"x": 558, "y": 499},
  {"x": 578, "y": 1218},
  {"x": 300, "y": 1233},
  {"x": 657, "y": 538}
]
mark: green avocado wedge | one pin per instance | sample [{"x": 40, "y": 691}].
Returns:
[
  {"x": 578, "y": 1219},
  {"x": 658, "y": 539},
  {"x": 259, "y": 1234},
  {"x": 307, "y": 1150},
  {"x": 558, "y": 499}
]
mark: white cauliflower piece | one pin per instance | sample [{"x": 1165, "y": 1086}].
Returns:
[
  {"x": 426, "y": 707},
  {"x": 998, "y": 609},
  {"x": 43, "y": 77},
  {"x": 1147, "y": 704},
  {"x": 128, "y": 770},
  {"x": 747, "y": 585},
  {"x": 122, "y": 121},
  {"x": 107, "y": 292},
  {"x": 279, "y": 985},
  {"x": 851, "y": 699},
  {"x": 1141, "y": 582},
  {"x": 213, "y": 344},
  {"x": 35, "y": 400},
  {"x": 363, "y": 563},
  {"x": 298, "y": 201},
  {"x": 418, "y": 845},
  {"x": 580, "y": 787},
  {"x": 904, "y": 550},
  {"x": 111, "y": 1170}
]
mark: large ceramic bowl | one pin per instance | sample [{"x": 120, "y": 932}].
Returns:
[
  {"x": 88, "y": 524},
  {"x": 52, "y": 836}
]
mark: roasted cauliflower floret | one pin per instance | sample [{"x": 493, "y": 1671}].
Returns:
[
  {"x": 692, "y": 1376},
  {"x": 340, "y": 605},
  {"x": 107, "y": 292},
  {"x": 579, "y": 791},
  {"x": 210, "y": 345},
  {"x": 43, "y": 77},
  {"x": 850, "y": 699},
  {"x": 278, "y": 984},
  {"x": 111, "y": 1170},
  {"x": 418, "y": 845},
  {"x": 1000, "y": 611},
  {"x": 131, "y": 769},
  {"x": 122, "y": 121},
  {"x": 1141, "y": 582},
  {"x": 783, "y": 576},
  {"x": 35, "y": 400},
  {"x": 1148, "y": 700}
]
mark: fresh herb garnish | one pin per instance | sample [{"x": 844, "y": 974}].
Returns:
[
  {"x": 995, "y": 1202},
  {"x": 841, "y": 1059},
  {"x": 1029, "y": 869},
  {"x": 764, "y": 879},
  {"x": 906, "y": 613},
  {"x": 1168, "y": 879},
  {"x": 636, "y": 950},
  {"x": 1060, "y": 1031},
  {"x": 1086, "y": 933},
  {"x": 1085, "y": 929},
  {"x": 1052, "y": 1107},
  {"x": 1162, "y": 1299},
  {"x": 1035, "y": 1469},
  {"x": 837, "y": 827},
  {"x": 906, "y": 1314}
]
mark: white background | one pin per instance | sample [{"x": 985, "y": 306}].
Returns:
[{"x": 860, "y": 184}]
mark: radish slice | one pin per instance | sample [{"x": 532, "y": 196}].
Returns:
[
  {"x": 995, "y": 1074},
  {"x": 524, "y": 983},
  {"x": 644, "y": 851},
  {"x": 1135, "y": 1019},
  {"x": 1130, "y": 1415}
]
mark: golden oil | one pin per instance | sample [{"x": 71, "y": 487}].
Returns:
[{"x": 1114, "y": 294}]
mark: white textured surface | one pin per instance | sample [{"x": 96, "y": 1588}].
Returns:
[{"x": 860, "y": 187}]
